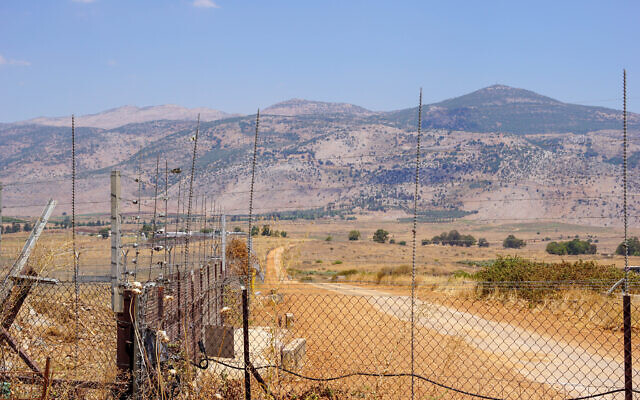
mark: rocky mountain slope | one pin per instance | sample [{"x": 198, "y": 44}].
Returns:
[
  {"x": 495, "y": 154},
  {"x": 125, "y": 115}
]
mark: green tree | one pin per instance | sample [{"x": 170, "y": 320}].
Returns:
[
  {"x": 512, "y": 242},
  {"x": 255, "y": 231},
  {"x": 354, "y": 235},
  {"x": 266, "y": 230},
  {"x": 482, "y": 242},
  {"x": 572, "y": 247},
  {"x": 283, "y": 234},
  {"x": 380, "y": 236},
  {"x": 104, "y": 232},
  {"x": 634, "y": 247}
]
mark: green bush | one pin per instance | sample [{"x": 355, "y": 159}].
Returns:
[
  {"x": 573, "y": 247},
  {"x": 336, "y": 262},
  {"x": 380, "y": 236},
  {"x": 512, "y": 242},
  {"x": 482, "y": 242},
  {"x": 402, "y": 243},
  {"x": 354, "y": 235},
  {"x": 634, "y": 247},
  {"x": 518, "y": 272}
]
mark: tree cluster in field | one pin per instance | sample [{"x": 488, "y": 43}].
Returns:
[
  {"x": 634, "y": 247},
  {"x": 454, "y": 238},
  {"x": 267, "y": 231},
  {"x": 572, "y": 247},
  {"x": 66, "y": 223},
  {"x": 16, "y": 227}
]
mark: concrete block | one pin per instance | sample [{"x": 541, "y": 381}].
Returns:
[{"x": 294, "y": 353}]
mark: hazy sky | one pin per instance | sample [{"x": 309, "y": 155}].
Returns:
[{"x": 59, "y": 57}]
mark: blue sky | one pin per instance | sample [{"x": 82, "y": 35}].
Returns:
[{"x": 59, "y": 57}]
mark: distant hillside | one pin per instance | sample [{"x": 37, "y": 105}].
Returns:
[
  {"x": 502, "y": 108},
  {"x": 306, "y": 107},
  {"x": 125, "y": 115},
  {"x": 548, "y": 159}
]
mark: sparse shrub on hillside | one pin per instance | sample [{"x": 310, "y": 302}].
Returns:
[
  {"x": 283, "y": 234},
  {"x": 354, "y": 235},
  {"x": 392, "y": 241},
  {"x": 255, "y": 231},
  {"x": 328, "y": 238},
  {"x": 380, "y": 236},
  {"x": 512, "y": 242},
  {"x": 237, "y": 229},
  {"x": 634, "y": 247},
  {"x": 426, "y": 242},
  {"x": 482, "y": 242},
  {"x": 402, "y": 243},
  {"x": 573, "y": 247}
]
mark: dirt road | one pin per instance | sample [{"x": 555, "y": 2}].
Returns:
[
  {"x": 275, "y": 272},
  {"x": 537, "y": 358}
]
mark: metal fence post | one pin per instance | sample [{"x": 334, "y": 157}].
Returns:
[
  {"x": 628, "y": 369},
  {"x": 1, "y": 226},
  {"x": 117, "y": 302},
  {"x": 124, "y": 343},
  {"x": 245, "y": 334}
]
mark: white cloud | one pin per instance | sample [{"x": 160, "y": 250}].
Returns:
[
  {"x": 17, "y": 63},
  {"x": 205, "y": 4}
]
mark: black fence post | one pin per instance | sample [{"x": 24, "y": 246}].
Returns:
[
  {"x": 628, "y": 371},
  {"x": 245, "y": 333},
  {"x": 124, "y": 344}
]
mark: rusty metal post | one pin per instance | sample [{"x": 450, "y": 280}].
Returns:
[
  {"x": 192, "y": 314},
  {"x": 47, "y": 379},
  {"x": 245, "y": 336},
  {"x": 179, "y": 282},
  {"x": 200, "y": 303},
  {"x": 1, "y": 227},
  {"x": 208, "y": 286},
  {"x": 628, "y": 368},
  {"x": 124, "y": 343},
  {"x": 160, "y": 307}
]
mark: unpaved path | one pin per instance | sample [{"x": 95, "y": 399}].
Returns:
[
  {"x": 538, "y": 358},
  {"x": 275, "y": 272}
]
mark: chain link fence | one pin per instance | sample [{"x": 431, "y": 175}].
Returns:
[{"x": 471, "y": 340}]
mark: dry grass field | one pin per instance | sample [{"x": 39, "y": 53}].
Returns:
[{"x": 351, "y": 331}]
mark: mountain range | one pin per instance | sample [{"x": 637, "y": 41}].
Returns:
[{"x": 496, "y": 153}]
